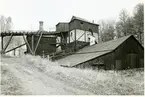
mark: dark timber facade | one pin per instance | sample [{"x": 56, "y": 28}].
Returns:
[{"x": 119, "y": 54}]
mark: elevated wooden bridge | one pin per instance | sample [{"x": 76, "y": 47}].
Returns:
[{"x": 24, "y": 34}]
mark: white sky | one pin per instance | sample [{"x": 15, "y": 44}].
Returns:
[{"x": 26, "y": 14}]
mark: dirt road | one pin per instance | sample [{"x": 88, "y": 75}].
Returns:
[{"x": 27, "y": 79}]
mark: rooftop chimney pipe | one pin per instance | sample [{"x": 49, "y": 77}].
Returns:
[{"x": 41, "y": 25}]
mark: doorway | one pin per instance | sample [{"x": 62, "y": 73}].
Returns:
[{"x": 132, "y": 60}]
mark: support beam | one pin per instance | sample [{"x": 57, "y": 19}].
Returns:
[
  {"x": 38, "y": 43},
  {"x": 27, "y": 44},
  {"x": 15, "y": 48},
  {"x": 62, "y": 36},
  {"x": 69, "y": 33},
  {"x": 14, "y": 52},
  {"x": 80, "y": 36},
  {"x": 85, "y": 36},
  {"x": 63, "y": 40},
  {"x": 32, "y": 44},
  {"x": 7, "y": 43},
  {"x": 72, "y": 38},
  {"x": 99, "y": 37},
  {"x": 2, "y": 45},
  {"x": 75, "y": 41}
]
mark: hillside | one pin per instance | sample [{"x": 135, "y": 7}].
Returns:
[{"x": 30, "y": 75}]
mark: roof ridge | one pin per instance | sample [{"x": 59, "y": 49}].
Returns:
[
  {"x": 76, "y": 17},
  {"x": 108, "y": 42}
]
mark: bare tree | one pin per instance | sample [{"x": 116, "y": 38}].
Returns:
[
  {"x": 102, "y": 27},
  {"x": 107, "y": 30},
  {"x": 123, "y": 26},
  {"x": 2, "y": 23},
  {"x": 139, "y": 21},
  {"x": 5, "y": 25},
  {"x": 132, "y": 25}
]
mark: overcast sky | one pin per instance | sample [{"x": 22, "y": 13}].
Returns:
[{"x": 26, "y": 14}]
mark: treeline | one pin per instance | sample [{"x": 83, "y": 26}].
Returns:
[{"x": 126, "y": 25}]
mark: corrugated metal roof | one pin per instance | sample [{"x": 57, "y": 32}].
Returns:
[{"x": 91, "y": 52}]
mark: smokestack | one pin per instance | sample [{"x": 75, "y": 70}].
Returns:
[{"x": 40, "y": 25}]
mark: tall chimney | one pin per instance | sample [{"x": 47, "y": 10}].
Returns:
[{"x": 40, "y": 25}]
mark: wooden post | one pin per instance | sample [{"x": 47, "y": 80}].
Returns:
[
  {"x": 85, "y": 36},
  {"x": 69, "y": 33},
  {"x": 63, "y": 41},
  {"x": 38, "y": 43},
  {"x": 98, "y": 37},
  {"x": 32, "y": 44},
  {"x": 75, "y": 41},
  {"x": 43, "y": 55},
  {"x": 2, "y": 46},
  {"x": 14, "y": 52},
  {"x": 27, "y": 44}
]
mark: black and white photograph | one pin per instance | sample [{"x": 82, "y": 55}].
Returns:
[{"x": 72, "y": 47}]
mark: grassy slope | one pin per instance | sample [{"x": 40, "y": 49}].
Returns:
[{"x": 33, "y": 75}]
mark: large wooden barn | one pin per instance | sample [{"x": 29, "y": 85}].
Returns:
[{"x": 122, "y": 53}]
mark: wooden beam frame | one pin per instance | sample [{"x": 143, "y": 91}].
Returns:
[
  {"x": 3, "y": 50},
  {"x": 27, "y": 44},
  {"x": 15, "y": 48},
  {"x": 38, "y": 42},
  {"x": 81, "y": 36}
]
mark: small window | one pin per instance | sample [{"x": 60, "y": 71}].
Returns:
[
  {"x": 81, "y": 22},
  {"x": 71, "y": 34},
  {"x": 88, "y": 39}
]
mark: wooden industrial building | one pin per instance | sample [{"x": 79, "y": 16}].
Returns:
[
  {"x": 68, "y": 37},
  {"x": 77, "y": 29},
  {"x": 122, "y": 53},
  {"x": 76, "y": 44}
]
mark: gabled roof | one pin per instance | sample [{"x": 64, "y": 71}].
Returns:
[
  {"x": 92, "y": 52},
  {"x": 81, "y": 19},
  {"x": 61, "y": 23},
  {"x": 78, "y": 18}
]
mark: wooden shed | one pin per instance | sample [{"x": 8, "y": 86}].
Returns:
[{"x": 122, "y": 53}]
